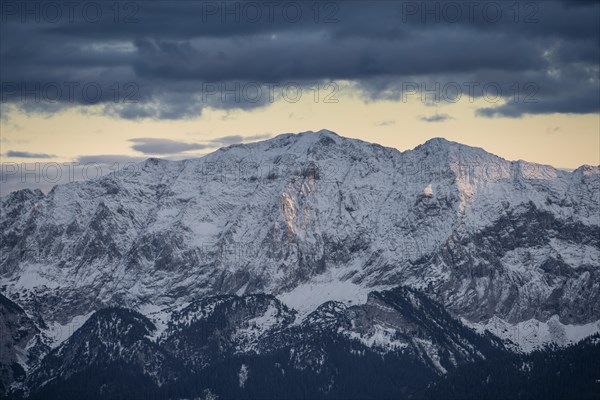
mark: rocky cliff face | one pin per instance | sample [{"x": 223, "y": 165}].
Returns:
[
  {"x": 484, "y": 236},
  {"x": 21, "y": 345}
]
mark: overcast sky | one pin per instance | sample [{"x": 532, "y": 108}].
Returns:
[{"x": 92, "y": 81}]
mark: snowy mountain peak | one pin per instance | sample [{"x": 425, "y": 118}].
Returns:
[
  {"x": 319, "y": 134},
  {"x": 484, "y": 236},
  {"x": 438, "y": 142},
  {"x": 587, "y": 170},
  {"x": 445, "y": 151}
]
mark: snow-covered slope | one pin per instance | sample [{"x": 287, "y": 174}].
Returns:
[{"x": 300, "y": 215}]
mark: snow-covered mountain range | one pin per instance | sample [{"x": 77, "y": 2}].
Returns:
[{"x": 506, "y": 246}]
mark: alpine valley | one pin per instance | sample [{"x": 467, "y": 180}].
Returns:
[{"x": 307, "y": 266}]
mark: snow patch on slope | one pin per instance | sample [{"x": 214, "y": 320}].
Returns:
[
  {"x": 58, "y": 333},
  {"x": 532, "y": 335},
  {"x": 305, "y": 298},
  {"x": 380, "y": 337}
]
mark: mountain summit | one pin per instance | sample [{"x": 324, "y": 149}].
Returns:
[{"x": 312, "y": 217}]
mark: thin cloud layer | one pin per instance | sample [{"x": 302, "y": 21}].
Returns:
[
  {"x": 27, "y": 154},
  {"x": 235, "y": 139},
  {"x": 169, "y": 147},
  {"x": 436, "y": 118},
  {"x": 164, "y": 146}
]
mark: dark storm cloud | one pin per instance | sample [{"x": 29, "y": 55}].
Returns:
[
  {"x": 164, "y": 146},
  {"x": 26, "y": 154},
  {"x": 584, "y": 101},
  {"x": 164, "y": 61}
]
